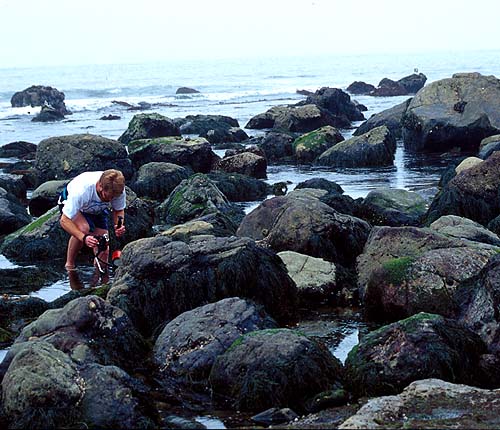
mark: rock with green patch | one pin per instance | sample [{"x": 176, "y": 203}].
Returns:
[
  {"x": 393, "y": 207},
  {"x": 273, "y": 368},
  {"x": 64, "y": 157},
  {"x": 187, "y": 347},
  {"x": 196, "y": 153},
  {"x": 455, "y": 112},
  {"x": 195, "y": 197},
  {"x": 148, "y": 126},
  {"x": 310, "y": 145},
  {"x": 374, "y": 148},
  {"x": 423, "y": 346},
  {"x": 430, "y": 403},
  {"x": 160, "y": 278}
]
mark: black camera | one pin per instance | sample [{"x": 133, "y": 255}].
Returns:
[{"x": 103, "y": 242}]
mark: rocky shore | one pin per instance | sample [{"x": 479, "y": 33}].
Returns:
[{"x": 204, "y": 312}]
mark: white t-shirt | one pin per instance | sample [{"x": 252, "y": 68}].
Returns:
[{"x": 83, "y": 197}]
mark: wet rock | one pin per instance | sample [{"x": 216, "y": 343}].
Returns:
[
  {"x": 488, "y": 146},
  {"x": 422, "y": 346},
  {"x": 196, "y": 153},
  {"x": 189, "y": 344},
  {"x": 322, "y": 184},
  {"x": 464, "y": 228},
  {"x": 473, "y": 194},
  {"x": 389, "y": 88},
  {"x": 245, "y": 163},
  {"x": 110, "y": 117},
  {"x": 277, "y": 147},
  {"x": 248, "y": 376},
  {"x": 337, "y": 103},
  {"x": 156, "y": 180},
  {"x": 14, "y": 184},
  {"x": 181, "y": 276},
  {"x": 64, "y": 157},
  {"x": 391, "y": 118},
  {"x": 186, "y": 90},
  {"x": 311, "y": 145},
  {"x": 375, "y": 148},
  {"x": 23, "y": 280},
  {"x": 148, "y": 126},
  {"x": 360, "y": 88},
  {"x": 45, "y": 196},
  {"x": 304, "y": 224},
  {"x": 393, "y": 207},
  {"x": 430, "y": 403},
  {"x": 240, "y": 188},
  {"x": 13, "y": 215},
  {"x": 195, "y": 197},
  {"x": 39, "y": 95},
  {"x": 214, "y": 224},
  {"x": 274, "y": 416},
  {"x": 19, "y": 149},
  {"x": 41, "y": 388},
  {"x": 433, "y": 122},
  {"x": 48, "y": 114},
  {"x": 413, "y": 83},
  {"x": 15, "y": 313}
]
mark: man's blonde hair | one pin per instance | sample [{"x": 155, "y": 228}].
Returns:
[{"x": 112, "y": 182}]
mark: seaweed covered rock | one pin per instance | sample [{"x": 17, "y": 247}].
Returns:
[
  {"x": 473, "y": 194},
  {"x": 148, "y": 126},
  {"x": 187, "y": 347},
  {"x": 374, "y": 148},
  {"x": 273, "y": 368},
  {"x": 196, "y": 153},
  {"x": 160, "y": 278},
  {"x": 422, "y": 346},
  {"x": 195, "y": 197},
  {"x": 311, "y": 145},
  {"x": 64, "y": 157}
]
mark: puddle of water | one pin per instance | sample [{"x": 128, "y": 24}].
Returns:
[
  {"x": 3, "y": 353},
  {"x": 6, "y": 264},
  {"x": 345, "y": 346}
]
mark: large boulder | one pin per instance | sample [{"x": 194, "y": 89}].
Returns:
[
  {"x": 274, "y": 368},
  {"x": 187, "y": 347},
  {"x": 296, "y": 118},
  {"x": 391, "y": 118},
  {"x": 148, "y": 126},
  {"x": 20, "y": 149},
  {"x": 195, "y": 197},
  {"x": 337, "y": 103},
  {"x": 13, "y": 215},
  {"x": 64, "y": 157},
  {"x": 311, "y": 145},
  {"x": 196, "y": 153},
  {"x": 413, "y": 83},
  {"x": 245, "y": 163},
  {"x": 374, "y": 148},
  {"x": 393, "y": 207},
  {"x": 464, "y": 228},
  {"x": 429, "y": 403},
  {"x": 422, "y": 346},
  {"x": 48, "y": 114},
  {"x": 160, "y": 278},
  {"x": 300, "y": 222},
  {"x": 277, "y": 147},
  {"x": 39, "y": 95},
  {"x": 405, "y": 270},
  {"x": 214, "y": 224},
  {"x": 214, "y": 128},
  {"x": 473, "y": 194},
  {"x": 156, "y": 180},
  {"x": 389, "y": 88},
  {"x": 14, "y": 184},
  {"x": 239, "y": 188},
  {"x": 454, "y": 112},
  {"x": 45, "y": 196},
  {"x": 360, "y": 88}
]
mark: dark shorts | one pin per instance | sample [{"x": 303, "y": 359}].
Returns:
[{"x": 97, "y": 220}]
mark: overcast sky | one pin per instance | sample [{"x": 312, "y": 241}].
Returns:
[{"x": 54, "y": 32}]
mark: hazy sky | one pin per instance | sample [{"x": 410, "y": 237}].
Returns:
[{"x": 53, "y": 32}]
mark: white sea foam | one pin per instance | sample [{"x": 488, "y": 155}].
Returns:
[{"x": 6, "y": 111}]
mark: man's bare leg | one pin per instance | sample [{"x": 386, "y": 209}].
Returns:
[
  {"x": 74, "y": 245},
  {"x": 103, "y": 263}
]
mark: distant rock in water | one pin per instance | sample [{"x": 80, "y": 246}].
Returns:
[
  {"x": 39, "y": 95},
  {"x": 48, "y": 114},
  {"x": 304, "y": 92},
  {"x": 359, "y": 87},
  {"x": 110, "y": 117},
  {"x": 387, "y": 87},
  {"x": 186, "y": 90}
]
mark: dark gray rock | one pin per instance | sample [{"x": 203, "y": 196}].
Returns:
[
  {"x": 64, "y": 157},
  {"x": 311, "y": 145},
  {"x": 240, "y": 188},
  {"x": 337, "y": 103},
  {"x": 277, "y": 147},
  {"x": 423, "y": 346},
  {"x": 250, "y": 377},
  {"x": 148, "y": 126},
  {"x": 187, "y": 347},
  {"x": 13, "y": 215},
  {"x": 322, "y": 184},
  {"x": 413, "y": 83},
  {"x": 359, "y": 87},
  {"x": 48, "y": 114},
  {"x": 389, "y": 88},
  {"x": 464, "y": 228},
  {"x": 38, "y": 95},
  {"x": 458, "y": 112},
  {"x": 186, "y": 90},
  {"x": 245, "y": 163},
  {"x": 488, "y": 146},
  {"x": 20, "y": 149},
  {"x": 45, "y": 196},
  {"x": 14, "y": 184},
  {"x": 274, "y": 416},
  {"x": 214, "y": 224},
  {"x": 160, "y": 278},
  {"x": 374, "y": 148}
]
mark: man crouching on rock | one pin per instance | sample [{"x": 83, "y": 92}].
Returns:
[{"x": 85, "y": 205}]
